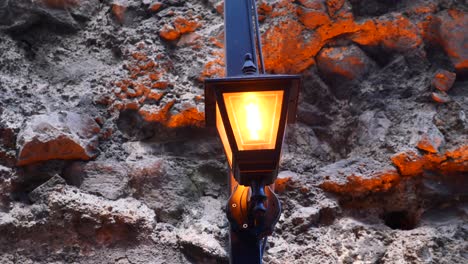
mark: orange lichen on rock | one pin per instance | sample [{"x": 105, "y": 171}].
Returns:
[
  {"x": 160, "y": 85},
  {"x": 398, "y": 33},
  {"x": 264, "y": 10},
  {"x": 140, "y": 91},
  {"x": 64, "y": 148},
  {"x": 184, "y": 25},
  {"x": 283, "y": 8},
  {"x": 440, "y": 97},
  {"x": 180, "y": 26},
  {"x": 429, "y": 144},
  {"x": 290, "y": 46},
  {"x": 411, "y": 163},
  {"x": 139, "y": 56},
  {"x": 312, "y": 18},
  {"x": 456, "y": 160},
  {"x": 449, "y": 29},
  {"x": 169, "y": 33},
  {"x": 214, "y": 68},
  {"x": 131, "y": 105},
  {"x": 145, "y": 88},
  {"x": 443, "y": 80},
  {"x": 188, "y": 117},
  {"x": 348, "y": 62},
  {"x": 154, "y": 96},
  {"x": 58, "y": 135},
  {"x": 154, "y": 7},
  {"x": 355, "y": 185},
  {"x": 370, "y": 178},
  {"x": 286, "y": 50},
  {"x": 156, "y": 114},
  {"x": 334, "y": 6}
]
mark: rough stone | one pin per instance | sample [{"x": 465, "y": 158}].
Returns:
[
  {"x": 334, "y": 6},
  {"x": 169, "y": 33},
  {"x": 5, "y": 186},
  {"x": 22, "y": 14},
  {"x": 358, "y": 177},
  {"x": 151, "y": 179},
  {"x": 282, "y": 180},
  {"x": 58, "y": 135},
  {"x": 42, "y": 191},
  {"x": 313, "y": 17},
  {"x": 340, "y": 65},
  {"x": 347, "y": 62},
  {"x": 180, "y": 26},
  {"x": 305, "y": 217},
  {"x": 443, "y": 80},
  {"x": 106, "y": 178},
  {"x": 411, "y": 163},
  {"x": 431, "y": 141},
  {"x": 155, "y": 6},
  {"x": 449, "y": 30},
  {"x": 202, "y": 248},
  {"x": 441, "y": 97},
  {"x": 7, "y": 146},
  {"x": 147, "y": 95},
  {"x": 373, "y": 126},
  {"x": 63, "y": 216}
]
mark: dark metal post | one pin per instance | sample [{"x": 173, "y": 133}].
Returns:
[
  {"x": 239, "y": 36},
  {"x": 245, "y": 249}
]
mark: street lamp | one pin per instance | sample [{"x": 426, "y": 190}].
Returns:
[{"x": 250, "y": 112}]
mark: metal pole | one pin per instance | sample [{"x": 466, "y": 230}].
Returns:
[
  {"x": 238, "y": 35},
  {"x": 239, "y": 40}
]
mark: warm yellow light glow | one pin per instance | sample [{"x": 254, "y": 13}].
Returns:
[
  {"x": 223, "y": 135},
  {"x": 254, "y": 121},
  {"x": 254, "y": 117}
]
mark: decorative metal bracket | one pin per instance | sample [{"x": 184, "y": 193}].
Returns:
[{"x": 254, "y": 210}]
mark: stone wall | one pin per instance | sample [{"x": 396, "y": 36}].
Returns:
[{"x": 104, "y": 157}]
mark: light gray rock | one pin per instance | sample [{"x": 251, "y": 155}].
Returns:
[
  {"x": 164, "y": 185},
  {"x": 76, "y": 217},
  {"x": 59, "y": 135},
  {"x": 202, "y": 247},
  {"x": 343, "y": 65},
  {"x": 432, "y": 140},
  {"x": 106, "y": 178},
  {"x": 151, "y": 162},
  {"x": 373, "y": 127},
  {"x": 7, "y": 144},
  {"x": 20, "y": 15},
  {"x": 363, "y": 168},
  {"x": 42, "y": 191},
  {"x": 5, "y": 186}
]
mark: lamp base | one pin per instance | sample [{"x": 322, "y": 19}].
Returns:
[{"x": 254, "y": 210}]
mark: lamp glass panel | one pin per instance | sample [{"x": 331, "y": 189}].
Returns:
[
  {"x": 254, "y": 118},
  {"x": 223, "y": 135}
]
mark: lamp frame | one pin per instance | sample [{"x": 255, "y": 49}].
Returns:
[{"x": 248, "y": 166}]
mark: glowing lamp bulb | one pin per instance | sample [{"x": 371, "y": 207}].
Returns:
[{"x": 253, "y": 120}]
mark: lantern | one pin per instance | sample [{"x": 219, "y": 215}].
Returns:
[{"x": 250, "y": 114}]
